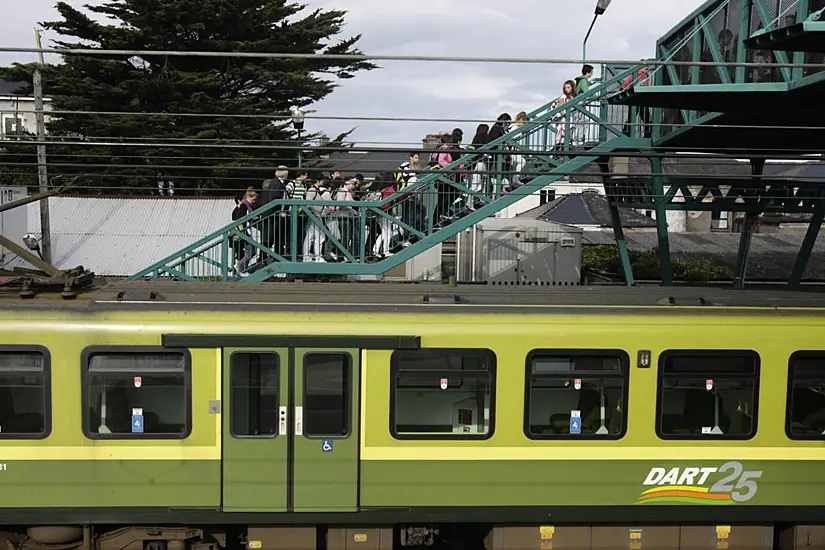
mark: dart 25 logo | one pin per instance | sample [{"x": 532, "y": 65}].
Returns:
[{"x": 726, "y": 484}]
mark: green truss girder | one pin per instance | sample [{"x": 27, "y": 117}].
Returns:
[{"x": 723, "y": 195}]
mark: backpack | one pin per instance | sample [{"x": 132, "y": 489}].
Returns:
[{"x": 373, "y": 196}]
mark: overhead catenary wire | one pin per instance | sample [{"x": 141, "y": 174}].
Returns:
[
  {"x": 648, "y": 152},
  {"x": 355, "y": 118},
  {"x": 372, "y": 57},
  {"x": 353, "y": 146},
  {"x": 421, "y": 173},
  {"x": 707, "y": 160}
]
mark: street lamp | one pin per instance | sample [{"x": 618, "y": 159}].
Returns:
[
  {"x": 298, "y": 117},
  {"x": 601, "y": 7}
]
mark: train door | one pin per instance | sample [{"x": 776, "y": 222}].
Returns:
[{"x": 290, "y": 429}]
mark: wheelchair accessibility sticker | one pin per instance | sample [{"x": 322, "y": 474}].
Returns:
[{"x": 326, "y": 446}]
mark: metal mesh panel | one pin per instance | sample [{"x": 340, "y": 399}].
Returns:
[
  {"x": 717, "y": 31},
  {"x": 811, "y": 57}
]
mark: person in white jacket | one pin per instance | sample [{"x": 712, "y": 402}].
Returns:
[
  {"x": 314, "y": 238},
  {"x": 348, "y": 218}
]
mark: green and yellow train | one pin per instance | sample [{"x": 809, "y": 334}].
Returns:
[{"x": 384, "y": 416}]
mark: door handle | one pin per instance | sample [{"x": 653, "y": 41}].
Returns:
[
  {"x": 282, "y": 421},
  {"x": 299, "y": 421}
]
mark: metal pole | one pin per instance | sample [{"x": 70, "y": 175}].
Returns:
[
  {"x": 42, "y": 174},
  {"x": 300, "y": 151},
  {"x": 586, "y": 37}
]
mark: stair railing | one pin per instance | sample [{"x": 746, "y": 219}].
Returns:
[{"x": 349, "y": 232}]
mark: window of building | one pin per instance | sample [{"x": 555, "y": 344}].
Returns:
[
  {"x": 707, "y": 394},
  {"x": 327, "y": 387},
  {"x": 143, "y": 394},
  {"x": 806, "y": 396},
  {"x": 719, "y": 221},
  {"x": 13, "y": 126},
  {"x": 577, "y": 394},
  {"x": 25, "y": 397},
  {"x": 547, "y": 195},
  {"x": 254, "y": 379},
  {"x": 442, "y": 393}
]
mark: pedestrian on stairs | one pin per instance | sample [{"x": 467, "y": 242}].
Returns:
[
  {"x": 568, "y": 93},
  {"x": 499, "y": 162},
  {"x": 314, "y": 239},
  {"x": 478, "y": 179},
  {"x": 583, "y": 123}
]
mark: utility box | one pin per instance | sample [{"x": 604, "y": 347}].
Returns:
[
  {"x": 359, "y": 539},
  {"x": 519, "y": 251},
  {"x": 727, "y": 537},
  {"x": 802, "y": 537}
]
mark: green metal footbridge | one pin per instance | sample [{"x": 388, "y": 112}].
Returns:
[{"x": 729, "y": 93}]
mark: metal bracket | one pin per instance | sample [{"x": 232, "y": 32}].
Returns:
[{"x": 70, "y": 280}]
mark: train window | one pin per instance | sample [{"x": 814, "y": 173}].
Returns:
[
  {"x": 327, "y": 382},
  {"x": 806, "y": 396},
  {"x": 442, "y": 394},
  {"x": 707, "y": 394},
  {"x": 25, "y": 397},
  {"x": 576, "y": 394},
  {"x": 254, "y": 382},
  {"x": 132, "y": 393}
]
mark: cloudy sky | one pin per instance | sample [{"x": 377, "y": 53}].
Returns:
[{"x": 467, "y": 28}]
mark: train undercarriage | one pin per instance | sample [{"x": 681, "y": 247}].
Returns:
[{"x": 399, "y": 537}]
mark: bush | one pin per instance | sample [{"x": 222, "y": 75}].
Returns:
[{"x": 645, "y": 264}]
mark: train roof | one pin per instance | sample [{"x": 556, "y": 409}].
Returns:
[{"x": 350, "y": 296}]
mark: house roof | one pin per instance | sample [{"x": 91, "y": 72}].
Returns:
[
  {"x": 116, "y": 237},
  {"x": 8, "y": 87},
  {"x": 588, "y": 209},
  {"x": 369, "y": 163}
]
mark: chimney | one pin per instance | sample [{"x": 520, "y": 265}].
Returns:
[{"x": 432, "y": 141}]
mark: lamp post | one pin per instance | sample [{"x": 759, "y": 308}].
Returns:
[
  {"x": 298, "y": 122},
  {"x": 601, "y": 7}
]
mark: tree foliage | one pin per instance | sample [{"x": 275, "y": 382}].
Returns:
[
  {"x": 262, "y": 89},
  {"x": 645, "y": 265}
]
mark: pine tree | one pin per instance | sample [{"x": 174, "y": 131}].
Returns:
[{"x": 262, "y": 89}]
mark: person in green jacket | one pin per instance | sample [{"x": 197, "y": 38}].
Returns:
[{"x": 583, "y": 81}]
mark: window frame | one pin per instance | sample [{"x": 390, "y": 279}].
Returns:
[
  {"x": 395, "y": 368},
  {"x": 660, "y": 376},
  {"x": 807, "y": 354},
  {"x": 231, "y": 412},
  {"x": 47, "y": 386},
  {"x": 624, "y": 361},
  {"x": 85, "y": 360},
  {"x": 350, "y": 392}
]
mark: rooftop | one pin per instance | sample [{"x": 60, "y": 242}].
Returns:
[
  {"x": 120, "y": 236},
  {"x": 11, "y": 88},
  {"x": 586, "y": 209}
]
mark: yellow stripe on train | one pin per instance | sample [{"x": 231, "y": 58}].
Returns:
[
  {"x": 591, "y": 453},
  {"x": 66, "y": 453}
]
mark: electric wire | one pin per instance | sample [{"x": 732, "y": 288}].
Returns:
[{"x": 369, "y": 57}]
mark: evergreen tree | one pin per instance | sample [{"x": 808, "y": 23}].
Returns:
[{"x": 262, "y": 89}]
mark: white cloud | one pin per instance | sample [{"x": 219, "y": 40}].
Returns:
[{"x": 467, "y": 28}]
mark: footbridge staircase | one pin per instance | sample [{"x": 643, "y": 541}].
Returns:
[{"x": 557, "y": 141}]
